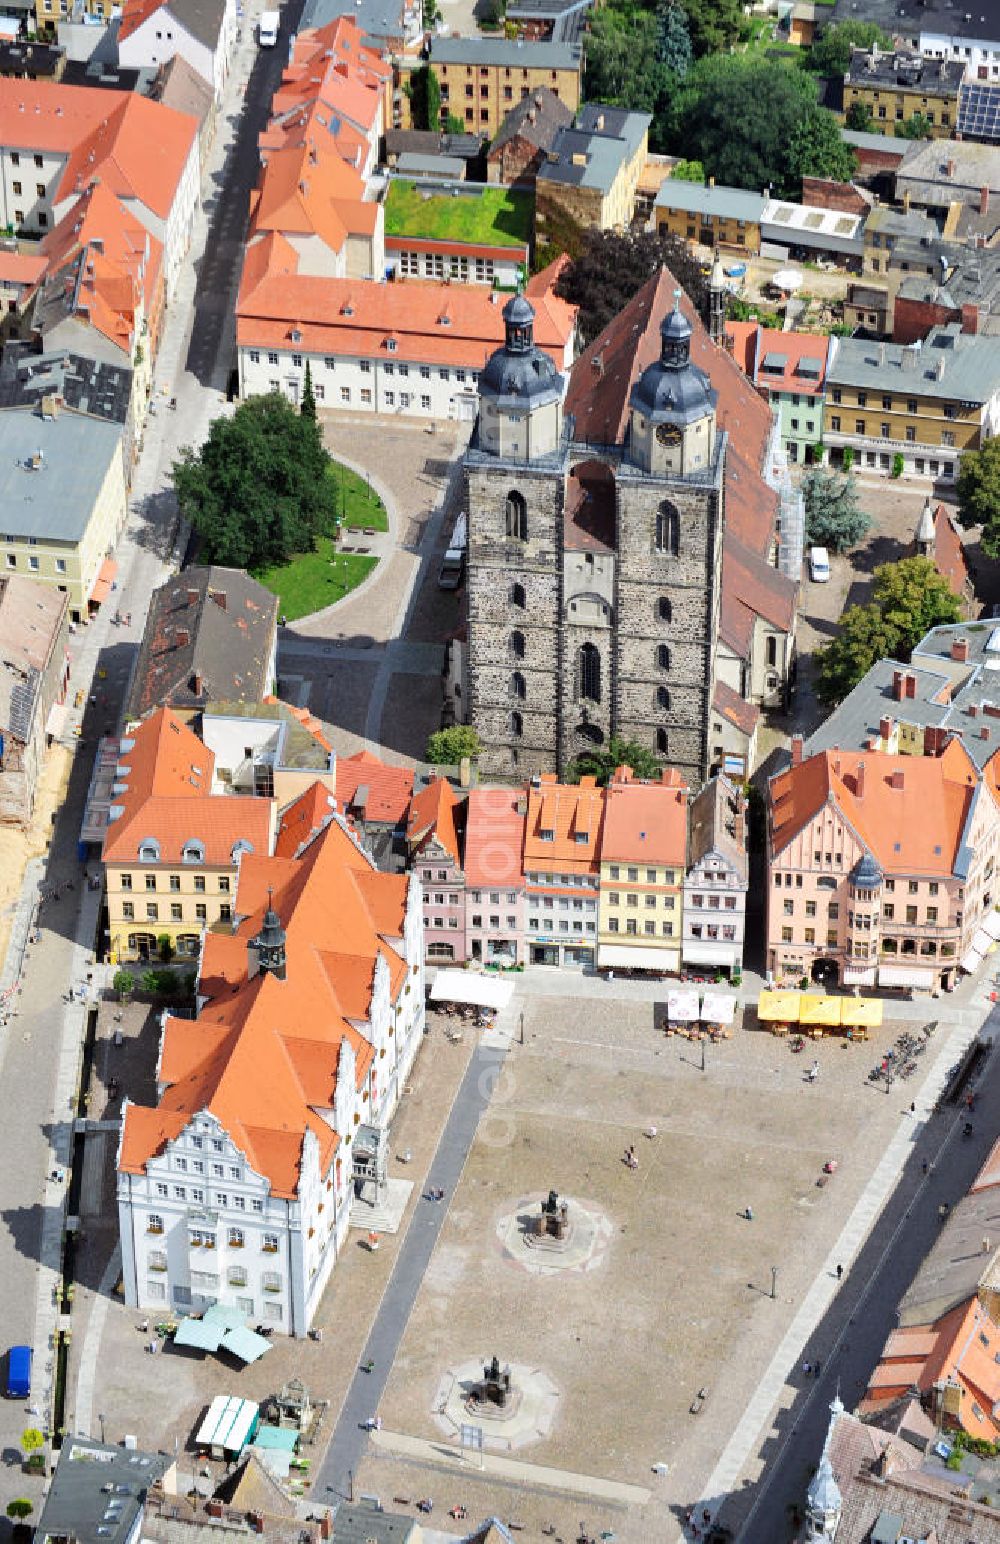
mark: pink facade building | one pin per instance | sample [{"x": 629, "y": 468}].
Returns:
[
  {"x": 494, "y": 876},
  {"x": 433, "y": 843}
]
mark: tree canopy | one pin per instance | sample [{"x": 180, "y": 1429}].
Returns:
[
  {"x": 613, "y": 265},
  {"x": 834, "y": 518},
  {"x": 257, "y": 490},
  {"x": 979, "y": 494},
  {"x": 424, "y": 92},
  {"x": 908, "y": 599},
  {"x": 688, "y": 171},
  {"x": 754, "y": 122},
  {"x": 601, "y": 762},
  {"x": 831, "y": 52},
  {"x": 674, "y": 45},
  {"x": 624, "y": 66},
  {"x": 446, "y": 747}
]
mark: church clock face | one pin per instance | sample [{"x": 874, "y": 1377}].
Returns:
[{"x": 668, "y": 435}]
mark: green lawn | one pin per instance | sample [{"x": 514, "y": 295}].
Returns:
[
  {"x": 496, "y": 216},
  {"x": 315, "y": 579},
  {"x": 362, "y": 505}
]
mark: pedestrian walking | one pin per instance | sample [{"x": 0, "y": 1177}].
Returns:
[
  {"x": 748, "y": 1213},
  {"x": 840, "y": 1273},
  {"x": 986, "y": 1244},
  {"x": 807, "y": 1368},
  {"x": 817, "y": 1368}
]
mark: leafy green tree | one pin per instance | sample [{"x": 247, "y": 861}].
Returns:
[
  {"x": 124, "y": 984},
  {"x": 602, "y": 761},
  {"x": 424, "y": 92},
  {"x": 675, "y": 49},
  {"x": 916, "y": 127},
  {"x": 834, "y": 517},
  {"x": 831, "y": 52},
  {"x": 979, "y": 494},
  {"x": 713, "y": 25},
  {"x": 817, "y": 148},
  {"x": 32, "y": 1439},
  {"x": 738, "y": 114},
  {"x": 908, "y": 599},
  {"x": 624, "y": 67},
  {"x": 613, "y": 265},
  {"x": 307, "y": 407},
  {"x": 453, "y": 125},
  {"x": 19, "y": 1508},
  {"x": 688, "y": 171},
  {"x": 859, "y": 118},
  {"x": 446, "y": 747},
  {"x": 256, "y": 491}
]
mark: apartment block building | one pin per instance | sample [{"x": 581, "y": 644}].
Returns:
[
  {"x": 789, "y": 371},
  {"x": 881, "y": 869},
  {"x": 237, "y": 1185},
  {"x": 593, "y": 168},
  {"x": 895, "y": 85},
  {"x": 432, "y": 839},
  {"x": 926, "y": 403},
  {"x": 494, "y": 877},
  {"x": 642, "y": 859},
  {"x": 481, "y": 78}
]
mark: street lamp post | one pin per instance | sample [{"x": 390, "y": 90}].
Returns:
[
  {"x": 101, "y": 1419},
  {"x": 774, "y": 1282},
  {"x": 703, "y": 1054}
]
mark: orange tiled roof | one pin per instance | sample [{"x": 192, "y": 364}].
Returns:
[
  {"x": 307, "y": 190},
  {"x": 916, "y": 827},
  {"x": 301, "y": 820},
  {"x": 20, "y": 268},
  {"x": 645, "y": 821},
  {"x": 949, "y": 551},
  {"x": 563, "y": 826},
  {"x": 165, "y": 773},
  {"x": 390, "y": 789},
  {"x": 264, "y": 1055},
  {"x": 134, "y": 13},
  {"x": 960, "y": 1348},
  {"x": 432, "y": 815},
  {"x": 494, "y": 836},
  {"x": 112, "y": 264}
]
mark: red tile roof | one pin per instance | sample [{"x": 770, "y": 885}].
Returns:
[
  {"x": 389, "y": 789},
  {"x": 563, "y": 826},
  {"x": 645, "y": 822},
  {"x": 164, "y": 779},
  {"x": 752, "y": 588},
  {"x": 913, "y": 828},
  {"x": 741, "y": 714},
  {"x": 752, "y": 343},
  {"x": 494, "y": 837},
  {"x": 265, "y": 1058},
  {"x": 949, "y": 551},
  {"x": 301, "y": 820},
  {"x": 432, "y": 817}
]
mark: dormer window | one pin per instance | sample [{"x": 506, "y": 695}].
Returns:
[
  {"x": 149, "y": 850},
  {"x": 296, "y": 335},
  {"x": 546, "y": 835},
  {"x": 239, "y": 848},
  {"x": 390, "y": 344},
  {"x": 193, "y": 851}
]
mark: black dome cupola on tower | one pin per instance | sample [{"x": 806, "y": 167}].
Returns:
[
  {"x": 520, "y": 371},
  {"x": 673, "y": 390}
]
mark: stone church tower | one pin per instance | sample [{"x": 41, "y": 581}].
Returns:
[{"x": 594, "y": 570}]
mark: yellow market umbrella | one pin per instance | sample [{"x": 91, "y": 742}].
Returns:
[
  {"x": 778, "y": 1007},
  {"x": 819, "y": 1011},
  {"x": 864, "y": 1012}
]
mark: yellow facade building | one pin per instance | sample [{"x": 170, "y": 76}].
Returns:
[
  {"x": 643, "y": 852},
  {"x": 924, "y": 403},
  {"x": 62, "y": 500},
  {"x": 896, "y": 86},
  {"x": 172, "y": 849},
  {"x": 593, "y": 168},
  {"x": 482, "y": 78},
  {"x": 710, "y": 216}
]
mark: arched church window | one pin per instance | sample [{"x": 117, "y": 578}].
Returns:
[
  {"x": 590, "y": 673},
  {"x": 663, "y": 697},
  {"x": 664, "y": 609},
  {"x": 516, "y": 725},
  {"x": 668, "y": 529},
  {"x": 663, "y": 656},
  {"x": 517, "y": 686},
  {"x": 517, "y": 596},
  {"x": 516, "y": 516},
  {"x": 517, "y": 645}
]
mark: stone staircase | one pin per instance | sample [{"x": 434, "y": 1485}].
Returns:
[{"x": 388, "y": 1214}]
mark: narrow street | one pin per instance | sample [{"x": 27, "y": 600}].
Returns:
[{"x": 41, "y": 1043}]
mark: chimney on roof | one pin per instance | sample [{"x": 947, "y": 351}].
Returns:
[
  {"x": 906, "y": 201},
  {"x": 197, "y": 682},
  {"x": 935, "y": 739},
  {"x": 885, "y": 727},
  {"x": 960, "y": 650},
  {"x": 949, "y": 168},
  {"x": 970, "y": 319},
  {"x": 797, "y": 743},
  {"x": 740, "y": 827},
  {"x": 192, "y": 597},
  {"x": 182, "y": 637},
  {"x": 219, "y": 596},
  {"x": 984, "y": 200},
  {"x": 896, "y": 779},
  {"x": 859, "y": 780}
]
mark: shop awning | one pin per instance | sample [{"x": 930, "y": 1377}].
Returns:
[
  {"x": 230, "y": 1422},
  {"x": 859, "y": 975},
  {"x": 463, "y": 986},
  {"x": 778, "y": 1007},
  {"x": 718, "y": 1008},
  {"x": 970, "y": 961},
  {"x": 201, "y": 1333},
  {"x": 819, "y": 1011},
  {"x": 991, "y": 924},
  {"x": 906, "y": 975},
  {"x": 621, "y": 957},
  {"x": 682, "y": 1007},
  {"x": 861, "y": 1012},
  {"x": 226, "y": 1315},
  {"x": 704, "y": 951},
  {"x": 245, "y": 1344},
  {"x": 981, "y": 941},
  {"x": 106, "y": 575}
]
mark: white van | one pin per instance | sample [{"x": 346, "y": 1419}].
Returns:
[
  {"x": 819, "y": 565},
  {"x": 267, "y": 31}
]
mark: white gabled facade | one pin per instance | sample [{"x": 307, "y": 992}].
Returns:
[
  {"x": 377, "y": 384},
  {"x": 163, "y": 34}
]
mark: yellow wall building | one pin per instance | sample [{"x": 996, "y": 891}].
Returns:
[
  {"x": 643, "y": 851},
  {"x": 710, "y": 216},
  {"x": 593, "y": 168},
  {"x": 62, "y": 500},
  {"x": 482, "y": 78},
  {"x": 897, "y": 86},
  {"x": 172, "y": 848}
]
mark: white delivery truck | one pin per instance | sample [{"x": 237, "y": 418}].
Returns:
[
  {"x": 267, "y": 31},
  {"x": 453, "y": 563}
]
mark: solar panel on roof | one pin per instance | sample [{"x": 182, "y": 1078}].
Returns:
[
  {"x": 844, "y": 227},
  {"x": 979, "y": 112}
]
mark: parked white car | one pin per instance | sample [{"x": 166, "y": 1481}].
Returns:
[{"x": 819, "y": 565}]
